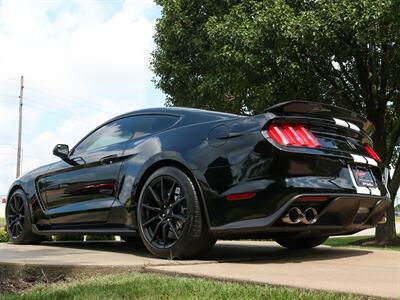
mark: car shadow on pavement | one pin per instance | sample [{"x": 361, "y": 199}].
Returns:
[
  {"x": 275, "y": 254},
  {"x": 231, "y": 251}
]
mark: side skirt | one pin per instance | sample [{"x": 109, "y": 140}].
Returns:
[{"x": 101, "y": 231}]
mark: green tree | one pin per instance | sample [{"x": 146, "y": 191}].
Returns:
[{"x": 243, "y": 56}]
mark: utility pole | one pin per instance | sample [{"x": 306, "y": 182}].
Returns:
[{"x": 19, "y": 149}]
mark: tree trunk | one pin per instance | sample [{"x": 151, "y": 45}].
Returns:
[{"x": 387, "y": 231}]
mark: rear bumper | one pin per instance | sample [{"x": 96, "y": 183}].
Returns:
[{"x": 340, "y": 214}]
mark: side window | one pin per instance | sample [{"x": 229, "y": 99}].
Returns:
[
  {"x": 154, "y": 123},
  {"x": 114, "y": 132}
]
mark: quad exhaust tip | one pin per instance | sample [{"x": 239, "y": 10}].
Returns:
[
  {"x": 295, "y": 216},
  {"x": 310, "y": 216}
]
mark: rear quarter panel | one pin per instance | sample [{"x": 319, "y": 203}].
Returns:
[{"x": 217, "y": 161}]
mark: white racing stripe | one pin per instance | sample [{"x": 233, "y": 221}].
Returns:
[
  {"x": 341, "y": 122},
  {"x": 371, "y": 161},
  {"x": 375, "y": 192},
  {"x": 344, "y": 123},
  {"x": 354, "y": 127},
  {"x": 364, "y": 160},
  {"x": 359, "y": 159}
]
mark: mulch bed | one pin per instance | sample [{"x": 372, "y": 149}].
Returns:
[
  {"x": 371, "y": 242},
  {"x": 15, "y": 277}
]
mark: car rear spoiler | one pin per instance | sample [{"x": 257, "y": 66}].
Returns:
[{"x": 320, "y": 110}]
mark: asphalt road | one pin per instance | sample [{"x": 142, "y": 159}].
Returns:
[{"x": 366, "y": 272}]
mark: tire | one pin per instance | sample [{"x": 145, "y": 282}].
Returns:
[
  {"x": 170, "y": 219},
  {"x": 18, "y": 220},
  {"x": 301, "y": 243}
]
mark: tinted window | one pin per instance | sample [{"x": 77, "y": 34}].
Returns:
[
  {"x": 153, "y": 124},
  {"x": 112, "y": 133}
]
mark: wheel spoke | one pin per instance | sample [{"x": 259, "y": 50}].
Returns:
[
  {"x": 21, "y": 206},
  {"x": 178, "y": 217},
  {"x": 12, "y": 207},
  {"x": 177, "y": 201},
  {"x": 163, "y": 191},
  {"x": 151, "y": 208},
  {"x": 151, "y": 220},
  {"x": 20, "y": 226},
  {"x": 14, "y": 229},
  {"x": 155, "y": 230},
  {"x": 12, "y": 223},
  {"x": 164, "y": 234},
  {"x": 155, "y": 196},
  {"x": 172, "y": 192},
  {"x": 17, "y": 203},
  {"x": 173, "y": 229}
]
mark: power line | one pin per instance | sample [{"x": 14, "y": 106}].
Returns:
[
  {"x": 8, "y": 102},
  {"x": 41, "y": 107},
  {"x": 62, "y": 99},
  {"x": 40, "y": 102},
  {"x": 9, "y": 79},
  {"x": 8, "y": 84}
]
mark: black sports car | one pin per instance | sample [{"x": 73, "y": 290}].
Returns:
[{"x": 182, "y": 178}]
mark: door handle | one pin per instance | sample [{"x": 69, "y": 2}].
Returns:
[{"x": 108, "y": 159}]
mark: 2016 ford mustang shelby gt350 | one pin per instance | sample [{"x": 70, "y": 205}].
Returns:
[{"x": 182, "y": 178}]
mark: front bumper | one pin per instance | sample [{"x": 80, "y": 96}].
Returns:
[{"x": 340, "y": 214}]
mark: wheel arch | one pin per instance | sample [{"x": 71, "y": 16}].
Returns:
[
  {"x": 169, "y": 162},
  {"x": 16, "y": 186}
]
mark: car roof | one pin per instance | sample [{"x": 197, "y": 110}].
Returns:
[{"x": 182, "y": 111}]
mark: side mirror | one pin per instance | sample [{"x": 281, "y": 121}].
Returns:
[{"x": 62, "y": 151}]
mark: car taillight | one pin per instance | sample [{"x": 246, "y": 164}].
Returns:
[
  {"x": 372, "y": 153},
  {"x": 292, "y": 135}
]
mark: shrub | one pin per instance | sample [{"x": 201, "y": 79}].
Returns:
[{"x": 3, "y": 236}]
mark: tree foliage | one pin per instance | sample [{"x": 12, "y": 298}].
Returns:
[{"x": 243, "y": 56}]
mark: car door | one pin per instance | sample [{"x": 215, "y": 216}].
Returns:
[{"x": 84, "y": 192}]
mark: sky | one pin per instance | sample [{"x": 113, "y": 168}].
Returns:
[{"x": 83, "y": 62}]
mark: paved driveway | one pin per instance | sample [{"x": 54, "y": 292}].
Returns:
[{"x": 375, "y": 273}]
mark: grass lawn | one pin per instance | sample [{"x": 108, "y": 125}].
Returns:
[
  {"x": 152, "y": 286},
  {"x": 2, "y": 222},
  {"x": 355, "y": 241}
]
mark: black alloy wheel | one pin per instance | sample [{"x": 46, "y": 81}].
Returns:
[
  {"x": 18, "y": 220},
  {"x": 164, "y": 212},
  {"x": 170, "y": 218},
  {"x": 16, "y": 216}
]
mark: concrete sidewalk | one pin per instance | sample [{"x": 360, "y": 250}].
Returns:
[
  {"x": 367, "y": 272},
  {"x": 371, "y": 273}
]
